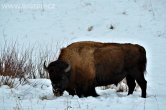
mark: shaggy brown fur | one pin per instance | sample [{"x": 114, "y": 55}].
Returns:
[{"x": 99, "y": 64}]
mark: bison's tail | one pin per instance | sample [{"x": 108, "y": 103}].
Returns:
[{"x": 143, "y": 59}]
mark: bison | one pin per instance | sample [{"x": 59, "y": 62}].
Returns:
[{"x": 82, "y": 66}]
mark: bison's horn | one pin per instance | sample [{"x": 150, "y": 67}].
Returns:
[
  {"x": 68, "y": 68},
  {"x": 45, "y": 67}
]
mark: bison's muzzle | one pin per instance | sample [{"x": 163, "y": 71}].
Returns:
[{"x": 57, "y": 92}]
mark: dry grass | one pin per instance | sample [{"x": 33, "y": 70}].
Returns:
[
  {"x": 15, "y": 63},
  {"x": 22, "y": 63}
]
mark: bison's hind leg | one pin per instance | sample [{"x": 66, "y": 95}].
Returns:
[
  {"x": 143, "y": 84},
  {"x": 131, "y": 84}
]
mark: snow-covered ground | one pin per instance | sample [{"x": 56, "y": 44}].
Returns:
[{"x": 41, "y": 23}]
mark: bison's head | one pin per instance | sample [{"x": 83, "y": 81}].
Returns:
[{"x": 59, "y": 72}]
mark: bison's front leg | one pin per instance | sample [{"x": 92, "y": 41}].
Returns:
[
  {"x": 85, "y": 92},
  {"x": 91, "y": 92},
  {"x": 79, "y": 92},
  {"x": 71, "y": 91}
]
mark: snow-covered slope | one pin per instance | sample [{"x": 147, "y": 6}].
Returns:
[{"x": 48, "y": 22}]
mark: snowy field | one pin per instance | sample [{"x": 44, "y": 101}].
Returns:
[{"x": 42, "y": 23}]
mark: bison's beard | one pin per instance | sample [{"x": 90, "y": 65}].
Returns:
[{"x": 57, "y": 92}]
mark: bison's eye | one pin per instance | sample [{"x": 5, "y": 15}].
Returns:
[
  {"x": 57, "y": 85},
  {"x": 53, "y": 85}
]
